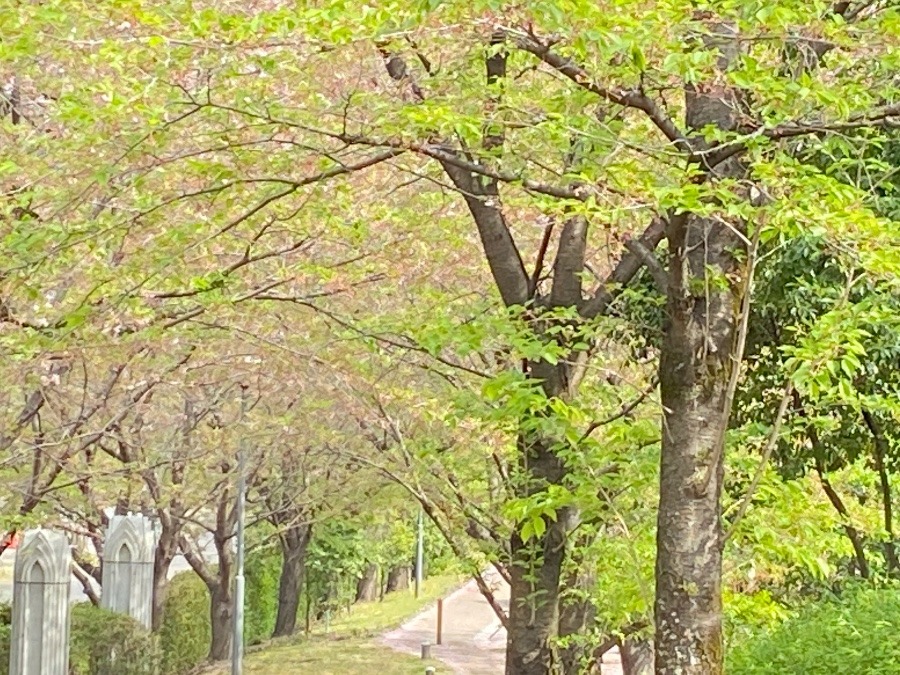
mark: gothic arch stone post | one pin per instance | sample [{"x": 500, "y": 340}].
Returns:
[
  {"x": 128, "y": 554},
  {"x": 40, "y": 611}
]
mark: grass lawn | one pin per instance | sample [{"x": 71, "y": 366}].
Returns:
[{"x": 350, "y": 647}]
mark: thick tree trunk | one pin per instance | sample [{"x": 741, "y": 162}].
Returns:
[
  {"x": 698, "y": 356},
  {"x": 536, "y": 567},
  {"x": 689, "y": 555},
  {"x": 398, "y": 579},
  {"x": 294, "y": 544},
  {"x": 220, "y": 614},
  {"x": 534, "y": 602},
  {"x": 367, "y": 585}
]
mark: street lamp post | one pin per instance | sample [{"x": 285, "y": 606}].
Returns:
[
  {"x": 237, "y": 645},
  {"x": 237, "y": 638},
  {"x": 420, "y": 552}
]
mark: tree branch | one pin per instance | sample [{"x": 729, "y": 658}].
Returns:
[
  {"x": 569, "y": 263},
  {"x": 630, "y": 98},
  {"x": 626, "y": 269}
]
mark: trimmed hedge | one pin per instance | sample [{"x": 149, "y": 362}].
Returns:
[
  {"x": 857, "y": 633},
  {"x": 185, "y": 632},
  {"x": 262, "y": 572},
  {"x": 106, "y": 643}
]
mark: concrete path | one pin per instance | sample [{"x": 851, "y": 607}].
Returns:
[{"x": 473, "y": 641}]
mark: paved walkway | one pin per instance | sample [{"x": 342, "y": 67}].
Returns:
[{"x": 473, "y": 641}]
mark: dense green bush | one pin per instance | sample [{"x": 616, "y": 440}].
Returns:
[
  {"x": 100, "y": 643},
  {"x": 262, "y": 572},
  {"x": 4, "y": 648},
  {"x": 856, "y": 633},
  {"x": 185, "y": 633},
  {"x": 5, "y": 636}
]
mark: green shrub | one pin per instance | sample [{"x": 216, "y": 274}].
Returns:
[
  {"x": 185, "y": 632},
  {"x": 856, "y": 633},
  {"x": 102, "y": 642},
  {"x": 262, "y": 573},
  {"x": 5, "y": 636}
]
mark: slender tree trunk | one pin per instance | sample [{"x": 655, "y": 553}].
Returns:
[
  {"x": 398, "y": 579},
  {"x": 221, "y": 605},
  {"x": 367, "y": 585},
  {"x": 695, "y": 369},
  {"x": 294, "y": 544},
  {"x": 219, "y": 580},
  {"x": 165, "y": 553},
  {"x": 854, "y": 535},
  {"x": 880, "y": 450},
  {"x": 575, "y": 620},
  {"x": 577, "y": 615},
  {"x": 698, "y": 356}
]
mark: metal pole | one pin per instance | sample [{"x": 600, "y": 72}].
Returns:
[
  {"x": 420, "y": 552},
  {"x": 237, "y": 646},
  {"x": 440, "y": 620}
]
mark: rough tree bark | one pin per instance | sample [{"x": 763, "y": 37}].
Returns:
[
  {"x": 576, "y": 618},
  {"x": 637, "y": 657},
  {"x": 220, "y": 613},
  {"x": 294, "y": 544},
  {"x": 367, "y": 585},
  {"x": 698, "y": 356},
  {"x": 218, "y": 580},
  {"x": 166, "y": 549},
  {"x": 397, "y": 579},
  {"x": 536, "y": 565}
]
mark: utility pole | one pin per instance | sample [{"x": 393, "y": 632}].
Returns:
[
  {"x": 237, "y": 638},
  {"x": 420, "y": 552}
]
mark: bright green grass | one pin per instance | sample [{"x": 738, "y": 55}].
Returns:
[{"x": 349, "y": 647}]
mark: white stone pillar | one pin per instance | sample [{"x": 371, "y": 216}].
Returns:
[
  {"x": 40, "y": 610},
  {"x": 128, "y": 554}
]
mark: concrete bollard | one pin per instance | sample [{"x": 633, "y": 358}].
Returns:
[
  {"x": 429, "y": 670},
  {"x": 426, "y": 650}
]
